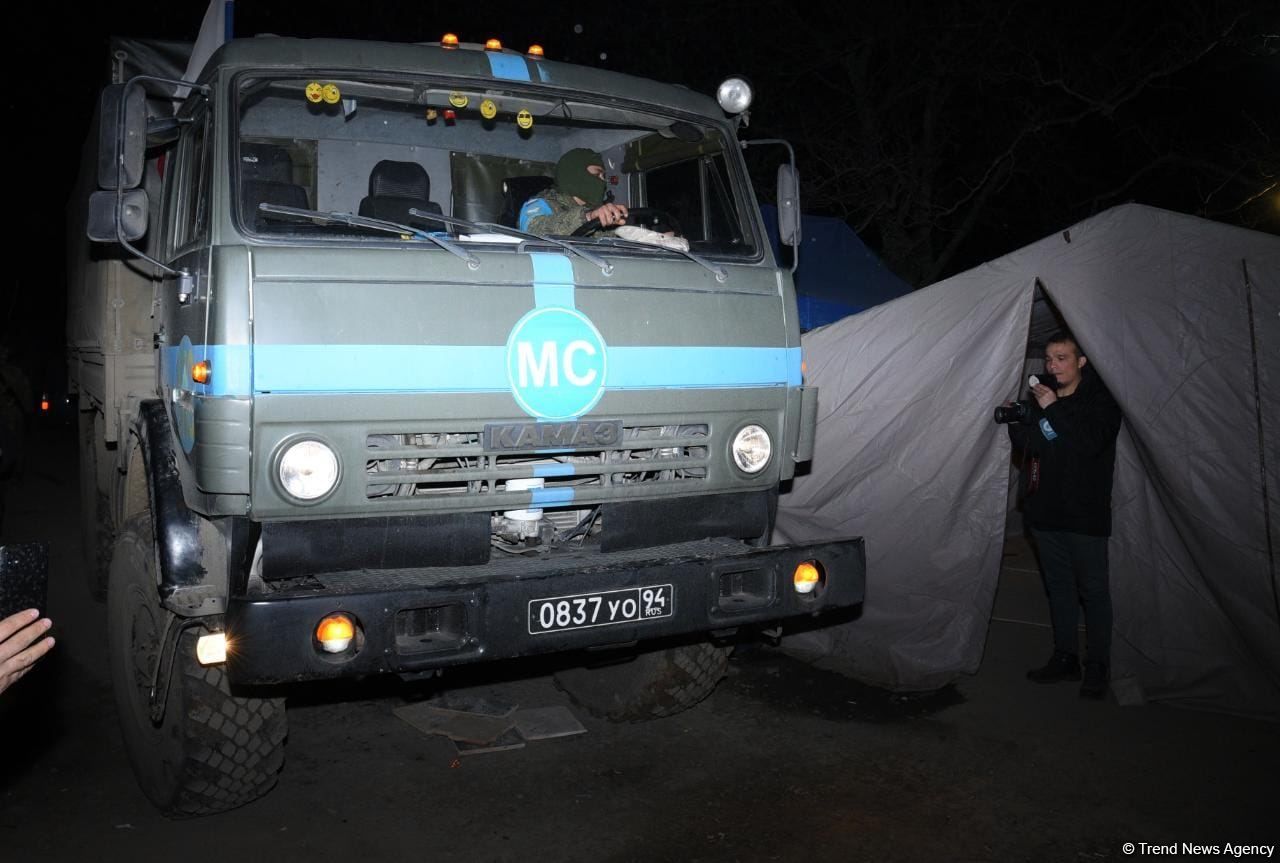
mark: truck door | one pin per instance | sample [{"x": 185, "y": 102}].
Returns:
[{"x": 184, "y": 319}]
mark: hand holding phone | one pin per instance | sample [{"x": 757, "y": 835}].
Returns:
[
  {"x": 22, "y": 642},
  {"x": 24, "y": 583},
  {"x": 24, "y": 577}
]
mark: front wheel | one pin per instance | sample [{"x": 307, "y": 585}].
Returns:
[
  {"x": 651, "y": 685},
  {"x": 212, "y": 751}
]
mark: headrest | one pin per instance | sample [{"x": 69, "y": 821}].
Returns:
[
  {"x": 269, "y": 162},
  {"x": 399, "y": 180}
]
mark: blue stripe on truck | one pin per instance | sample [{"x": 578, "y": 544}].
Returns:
[
  {"x": 508, "y": 66},
  {"x": 552, "y": 280},
  {"x": 472, "y": 368}
]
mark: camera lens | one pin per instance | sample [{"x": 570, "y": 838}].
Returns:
[{"x": 1013, "y": 413}]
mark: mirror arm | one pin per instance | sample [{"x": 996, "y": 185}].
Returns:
[{"x": 120, "y": 133}]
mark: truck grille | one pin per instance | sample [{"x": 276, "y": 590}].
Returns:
[{"x": 455, "y": 463}]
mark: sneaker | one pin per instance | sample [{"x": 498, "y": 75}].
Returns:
[
  {"x": 1061, "y": 666},
  {"x": 1095, "y": 680}
]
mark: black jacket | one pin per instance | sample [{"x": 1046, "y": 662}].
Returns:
[{"x": 1077, "y": 456}]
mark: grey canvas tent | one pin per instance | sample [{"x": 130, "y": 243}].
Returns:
[{"x": 1181, "y": 317}]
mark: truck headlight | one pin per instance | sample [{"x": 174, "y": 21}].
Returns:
[
  {"x": 308, "y": 470},
  {"x": 751, "y": 449}
]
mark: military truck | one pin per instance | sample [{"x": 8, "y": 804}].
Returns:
[{"x": 341, "y": 417}]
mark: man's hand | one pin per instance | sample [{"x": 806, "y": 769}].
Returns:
[
  {"x": 17, "y": 654},
  {"x": 1044, "y": 395},
  {"x": 608, "y": 214}
]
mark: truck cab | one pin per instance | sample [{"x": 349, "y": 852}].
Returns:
[{"x": 380, "y": 427}]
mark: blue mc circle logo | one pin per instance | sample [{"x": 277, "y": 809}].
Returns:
[{"x": 556, "y": 363}]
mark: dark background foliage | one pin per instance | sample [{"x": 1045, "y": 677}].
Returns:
[{"x": 944, "y": 133}]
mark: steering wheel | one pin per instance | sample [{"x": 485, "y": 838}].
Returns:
[{"x": 645, "y": 217}]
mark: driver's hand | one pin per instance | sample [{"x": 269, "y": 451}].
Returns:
[{"x": 609, "y": 215}]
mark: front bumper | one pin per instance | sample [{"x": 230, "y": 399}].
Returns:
[{"x": 419, "y": 620}]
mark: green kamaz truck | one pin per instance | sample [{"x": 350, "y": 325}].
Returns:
[{"x": 341, "y": 416}]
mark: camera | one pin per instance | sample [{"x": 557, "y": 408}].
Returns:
[
  {"x": 1014, "y": 412},
  {"x": 1020, "y": 411}
]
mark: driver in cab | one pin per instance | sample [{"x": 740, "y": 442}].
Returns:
[{"x": 576, "y": 198}]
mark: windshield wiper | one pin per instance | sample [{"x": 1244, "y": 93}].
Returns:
[
  {"x": 605, "y": 267},
  {"x": 354, "y": 221},
  {"x": 720, "y": 272}
]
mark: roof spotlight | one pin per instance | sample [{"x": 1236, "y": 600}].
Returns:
[{"x": 734, "y": 95}]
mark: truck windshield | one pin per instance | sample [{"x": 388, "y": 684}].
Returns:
[{"x": 381, "y": 147}]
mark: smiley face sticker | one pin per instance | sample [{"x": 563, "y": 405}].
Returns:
[
  {"x": 315, "y": 92},
  {"x": 488, "y": 109},
  {"x": 332, "y": 95},
  {"x": 458, "y": 100},
  {"x": 524, "y": 119}
]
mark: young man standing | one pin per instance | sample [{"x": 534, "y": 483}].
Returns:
[{"x": 1069, "y": 442}]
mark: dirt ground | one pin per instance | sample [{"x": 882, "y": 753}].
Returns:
[{"x": 783, "y": 762}]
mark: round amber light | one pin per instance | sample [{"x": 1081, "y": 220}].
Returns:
[{"x": 807, "y": 577}]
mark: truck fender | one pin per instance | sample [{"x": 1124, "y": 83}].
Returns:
[{"x": 177, "y": 528}]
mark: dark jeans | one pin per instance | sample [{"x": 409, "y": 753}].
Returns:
[{"x": 1075, "y": 574}]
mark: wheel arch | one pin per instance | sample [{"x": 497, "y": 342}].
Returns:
[{"x": 152, "y": 479}]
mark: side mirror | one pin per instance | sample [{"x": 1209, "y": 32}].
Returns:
[
  {"x": 131, "y": 216},
  {"x": 128, "y": 132},
  {"x": 789, "y": 204}
]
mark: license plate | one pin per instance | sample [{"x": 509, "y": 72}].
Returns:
[{"x": 606, "y": 608}]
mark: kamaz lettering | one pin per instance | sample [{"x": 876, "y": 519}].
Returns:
[{"x": 534, "y": 436}]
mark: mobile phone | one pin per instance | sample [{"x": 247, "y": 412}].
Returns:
[{"x": 24, "y": 578}]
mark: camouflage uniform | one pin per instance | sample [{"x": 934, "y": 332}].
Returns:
[{"x": 552, "y": 212}]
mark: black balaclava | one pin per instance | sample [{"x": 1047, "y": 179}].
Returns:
[{"x": 572, "y": 177}]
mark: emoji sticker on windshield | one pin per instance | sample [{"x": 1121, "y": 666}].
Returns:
[
  {"x": 488, "y": 109},
  {"x": 524, "y": 119},
  {"x": 315, "y": 92},
  {"x": 458, "y": 100}
]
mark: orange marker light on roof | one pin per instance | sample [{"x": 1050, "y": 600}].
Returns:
[
  {"x": 449, "y": 40},
  {"x": 492, "y": 45},
  {"x": 44, "y": 403},
  {"x": 201, "y": 372},
  {"x": 535, "y": 51}
]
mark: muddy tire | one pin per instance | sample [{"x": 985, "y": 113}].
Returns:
[
  {"x": 97, "y": 531},
  {"x": 212, "y": 751},
  {"x": 652, "y": 685}
]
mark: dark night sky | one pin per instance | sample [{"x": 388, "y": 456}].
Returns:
[{"x": 1175, "y": 144}]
